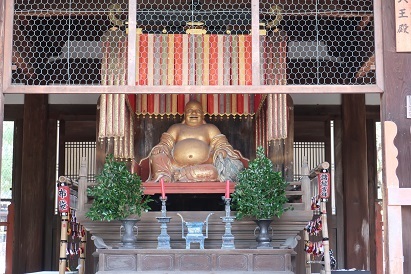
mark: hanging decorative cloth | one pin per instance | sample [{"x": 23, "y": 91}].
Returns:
[
  {"x": 314, "y": 248},
  {"x": 116, "y": 116},
  {"x": 276, "y": 116},
  {"x": 116, "y": 124},
  {"x": 314, "y": 227},
  {"x": 190, "y": 59}
]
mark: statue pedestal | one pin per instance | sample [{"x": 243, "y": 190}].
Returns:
[
  {"x": 151, "y": 188},
  {"x": 274, "y": 261}
]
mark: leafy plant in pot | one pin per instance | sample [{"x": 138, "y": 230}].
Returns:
[
  {"x": 118, "y": 195},
  {"x": 260, "y": 194}
]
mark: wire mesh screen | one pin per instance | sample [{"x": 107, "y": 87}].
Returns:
[
  {"x": 58, "y": 41},
  {"x": 74, "y": 151},
  {"x": 195, "y": 42},
  {"x": 311, "y": 152}
]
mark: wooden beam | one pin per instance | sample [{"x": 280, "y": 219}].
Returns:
[
  {"x": 396, "y": 136},
  {"x": 379, "y": 63},
  {"x": 255, "y": 43},
  {"x": 7, "y": 41},
  {"x": 221, "y": 89},
  {"x": 10, "y": 229}
]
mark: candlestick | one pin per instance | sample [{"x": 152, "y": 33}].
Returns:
[
  {"x": 163, "y": 191},
  {"x": 163, "y": 238},
  {"x": 227, "y": 189},
  {"x": 228, "y": 237}
]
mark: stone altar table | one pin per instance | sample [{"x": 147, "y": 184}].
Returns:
[{"x": 155, "y": 261}]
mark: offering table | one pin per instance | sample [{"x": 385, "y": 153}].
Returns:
[{"x": 273, "y": 261}]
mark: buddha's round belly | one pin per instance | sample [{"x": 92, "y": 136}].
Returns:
[{"x": 191, "y": 152}]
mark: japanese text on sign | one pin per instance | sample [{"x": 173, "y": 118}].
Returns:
[
  {"x": 63, "y": 199},
  {"x": 324, "y": 185},
  {"x": 403, "y": 25}
]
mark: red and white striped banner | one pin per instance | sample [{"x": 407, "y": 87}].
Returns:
[{"x": 185, "y": 59}]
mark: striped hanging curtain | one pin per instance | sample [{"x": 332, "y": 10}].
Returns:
[
  {"x": 189, "y": 59},
  {"x": 116, "y": 119},
  {"x": 271, "y": 122},
  {"x": 213, "y": 104}
]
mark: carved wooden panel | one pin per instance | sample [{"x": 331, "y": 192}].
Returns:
[
  {"x": 267, "y": 262},
  {"x": 230, "y": 262},
  {"x": 120, "y": 262},
  {"x": 272, "y": 261},
  {"x": 164, "y": 262},
  {"x": 195, "y": 262}
]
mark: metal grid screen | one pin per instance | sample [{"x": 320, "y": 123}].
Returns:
[
  {"x": 311, "y": 152},
  {"x": 197, "y": 42},
  {"x": 74, "y": 151}
]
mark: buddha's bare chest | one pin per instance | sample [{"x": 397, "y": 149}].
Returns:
[{"x": 199, "y": 133}]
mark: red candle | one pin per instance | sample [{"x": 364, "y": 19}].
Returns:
[
  {"x": 163, "y": 192},
  {"x": 227, "y": 189}
]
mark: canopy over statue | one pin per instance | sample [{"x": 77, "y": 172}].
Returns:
[{"x": 194, "y": 151}]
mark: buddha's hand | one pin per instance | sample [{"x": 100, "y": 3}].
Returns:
[
  {"x": 165, "y": 146},
  {"x": 160, "y": 148},
  {"x": 166, "y": 179},
  {"x": 221, "y": 152},
  {"x": 178, "y": 174}
]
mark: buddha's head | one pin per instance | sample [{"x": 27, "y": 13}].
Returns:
[{"x": 193, "y": 114}]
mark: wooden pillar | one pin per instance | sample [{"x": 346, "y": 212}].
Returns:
[
  {"x": 2, "y": 10},
  {"x": 339, "y": 232},
  {"x": 372, "y": 191},
  {"x": 33, "y": 185},
  {"x": 52, "y": 220},
  {"x": 289, "y": 142},
  {"x": 16, "y": 186},
  {"x": 355, "y": 182},
  {"x": 379, "y": 251},
  {"x": 396, "y": 147}
]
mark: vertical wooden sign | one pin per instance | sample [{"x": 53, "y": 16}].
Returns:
[
  {"x": 63, "y": 198},
  {"x": 324, "y": 184},
  {"x": 403, "y": 25}
]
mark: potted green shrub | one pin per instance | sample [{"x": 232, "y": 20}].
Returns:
[
  {"x": 118, "y": 195},
  {"x": 260, "y": 194}
]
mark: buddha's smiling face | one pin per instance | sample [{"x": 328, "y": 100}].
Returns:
[{"x": 193, "y": 114}]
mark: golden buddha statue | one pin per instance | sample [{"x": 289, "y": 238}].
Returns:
[{"x": 194, "y": 151}]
